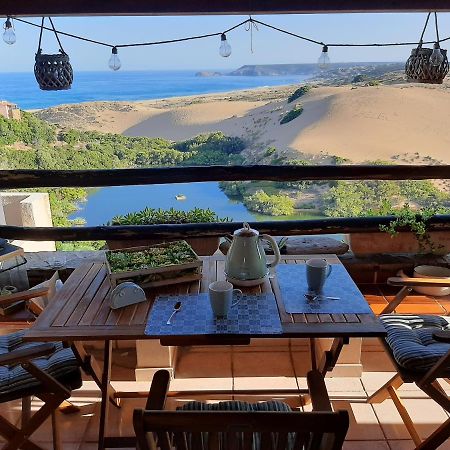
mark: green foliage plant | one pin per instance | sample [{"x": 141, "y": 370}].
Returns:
[
  {"x": 300, "y": 92},
  {"x": 417, "y": 222},
  {"x": 292, "y": 114},
  {"x": 152, "y": 216},
  {"x": 272, "y": 205}
]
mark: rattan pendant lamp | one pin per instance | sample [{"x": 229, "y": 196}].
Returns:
[
  {"x": 422, "y": 66},
  {"x": 52, "y": 72}
]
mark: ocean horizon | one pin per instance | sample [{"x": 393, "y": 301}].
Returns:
[{"x": 22, "y": 89}]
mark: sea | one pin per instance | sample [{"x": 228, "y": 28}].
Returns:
[
  {"x": 22, "y": 88},
  {"x": 103, "y": 204}
]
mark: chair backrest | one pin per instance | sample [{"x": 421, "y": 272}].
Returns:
[{"x": 238, "y": 430}]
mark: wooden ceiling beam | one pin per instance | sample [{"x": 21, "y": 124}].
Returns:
[{"x": 195, "y": 7}]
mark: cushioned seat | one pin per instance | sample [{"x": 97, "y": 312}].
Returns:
[
  {"x": 16, "y": 382},
  {"x": 410, "y": 338},
  {"x": 271, "y": 405}
]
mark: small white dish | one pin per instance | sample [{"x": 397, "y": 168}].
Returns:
[{"x": 432, "y": 272}]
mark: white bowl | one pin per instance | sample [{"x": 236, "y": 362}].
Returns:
[{"x": 432, "y": 272}]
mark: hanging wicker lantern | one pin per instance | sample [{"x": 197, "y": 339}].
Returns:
[
  {"x": 53, "y": 72},
  {"x": 418, "y": 67}
]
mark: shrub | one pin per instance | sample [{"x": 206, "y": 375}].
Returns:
[
  {"x": 359, "y": 78},
  {"x": 291, "y": 115},
  {"x": 151, "y": 216},
  {"x": 300, "y": 92},
  {"x": 272, "y": 205}
]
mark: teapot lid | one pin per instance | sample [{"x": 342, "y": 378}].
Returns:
[{"x": 246, "y": 231}]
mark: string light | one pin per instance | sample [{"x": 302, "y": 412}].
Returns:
[
  {"x": 225, "y": 47},
  {"x": 436, "y": 58},
  {"x": 114, "y": 61},
  {"x": 9, "y": 36},
  {"x": 324, "y": 59}
]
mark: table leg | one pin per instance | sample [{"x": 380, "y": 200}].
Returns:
[
  {"x": 312, "y": 348},
  {"x": 104, "y": 406},
  {"x": 331, "y": 356}
]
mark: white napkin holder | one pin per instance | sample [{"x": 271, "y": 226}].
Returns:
[{"x": 125, "y": 294}]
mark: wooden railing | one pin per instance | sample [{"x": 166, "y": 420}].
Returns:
[{"x": 20, "y": 179}]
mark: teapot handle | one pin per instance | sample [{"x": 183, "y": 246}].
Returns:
[{"x": 276, "y": 250}]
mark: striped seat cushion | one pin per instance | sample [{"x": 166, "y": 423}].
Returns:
[
  {"x": 272, "y": 405},
  {"x": 410, "y": 338},
  {"x": 61, "y": 365}
]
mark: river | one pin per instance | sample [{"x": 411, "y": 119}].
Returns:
[{"x": 105, "y": 203}]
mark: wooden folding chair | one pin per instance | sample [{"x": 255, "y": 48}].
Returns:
[
  {"x": 47, "y": 371},
  {"x": 239, "y": 425},
  {"x": 407, "y": 284},
  {"x": 419, "y": 347}
]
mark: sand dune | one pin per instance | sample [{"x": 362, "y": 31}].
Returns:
[{"x": 363, "y": 123}]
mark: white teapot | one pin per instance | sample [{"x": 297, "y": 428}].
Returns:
[{"x": 246, "y": 263}]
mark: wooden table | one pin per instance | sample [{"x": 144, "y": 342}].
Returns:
[{"x": 80, "y": 312}]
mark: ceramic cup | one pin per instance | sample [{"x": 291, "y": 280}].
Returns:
[
  {"x": 221, "y": 297},
  {"x": 317, "y": 271}
]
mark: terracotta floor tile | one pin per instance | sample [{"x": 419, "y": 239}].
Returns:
[
  {"x": 425, "y": 414},
  {"x": 203, "y": 384},
  {"x": 120, "y": 420},
  {"x": 377, "y": 308},
  {"x": 431, "y": 307},
  {"x": 302, "y": 363},
  {"x": 376, "y": 362},
  {"x": 364, "y": 425},
  {"x": 48, "y": 445},
  {"x": 359, "y": 445},
  {"x": 344, "y": 384},
  {"x": 67, "y": 424},
  {"x": 204, "y": 364},
  {"x": 409, "y": 445},
  {"x": 270, "y": 364},
  {"x": 272, "y": 383}
]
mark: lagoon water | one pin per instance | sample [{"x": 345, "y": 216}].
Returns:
[{"x": 103, "y": 204}]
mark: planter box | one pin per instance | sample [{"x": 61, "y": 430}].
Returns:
[
  {"x": 203, "y": 246},
  {"x": 403, "y": 242},
  {"x": 155, "y": 276}
]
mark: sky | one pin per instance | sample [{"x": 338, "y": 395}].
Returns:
[{"x": 269, "y": 47}]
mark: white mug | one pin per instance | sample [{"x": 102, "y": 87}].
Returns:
[
  {"x": 317, "y": 271},
  {"x": 221, "y": 297}
]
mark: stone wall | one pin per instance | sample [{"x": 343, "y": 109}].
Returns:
[{"x": 25, "y": 209}]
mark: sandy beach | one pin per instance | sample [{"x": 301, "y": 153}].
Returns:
[{"x": 404, "y": 122}]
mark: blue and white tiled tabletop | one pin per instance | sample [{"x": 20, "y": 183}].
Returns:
[
  {"x": 293, "y": 287},
  {"x": 253, "y": 315}
]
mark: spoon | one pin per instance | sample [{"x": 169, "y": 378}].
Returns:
[
  {"x": 176, "y": 308},
  {"x": 314, "y": 297}
]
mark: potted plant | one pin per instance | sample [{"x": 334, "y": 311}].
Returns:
[
  {"x": 418, "y": 240},
  {"x": 151, "y": 216}
]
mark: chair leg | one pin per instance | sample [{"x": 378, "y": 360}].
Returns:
[
  {"x": 55, "y": 431},
  {"x": 409, "y": 424},
  {"x": 383, "y": 393},
  {"x": 38, "y": 418},
  {"x": 437, "y": 438},
  {"x": 26, "y": 410},
  {"x": 404, "y": 291}
]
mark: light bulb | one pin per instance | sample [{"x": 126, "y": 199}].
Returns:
[
  {"x": 114, "y": 62},
  {"x": 225, "y": 47},
  {"x": 9, "y": 36},
  {"x": 436, "y": 57},
  {"x": 324, "y": 59}
]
